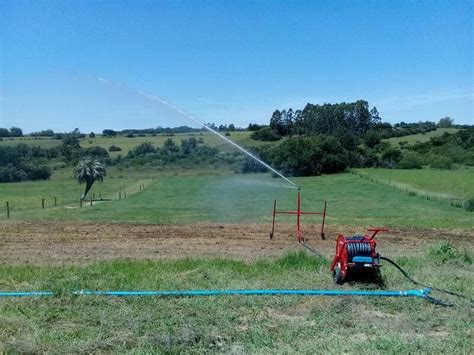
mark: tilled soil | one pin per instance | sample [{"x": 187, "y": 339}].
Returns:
[{"x": 73, "y": 243}]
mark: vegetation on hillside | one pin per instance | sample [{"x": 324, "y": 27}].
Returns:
[
  {"x": 319, "y": 139},
  {"x": 332, "y": 137}
]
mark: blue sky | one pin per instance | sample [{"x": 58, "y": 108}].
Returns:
[{"x": 230, "y": 61}]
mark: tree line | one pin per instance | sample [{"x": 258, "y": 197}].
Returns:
[{"x": 330, "y": 138}]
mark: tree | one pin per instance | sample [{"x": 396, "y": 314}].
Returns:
[
  {"x": 254, "y": 127},
  {"x": 4, "y": 132},
  {"x": 374, "y": 113},
  {"x": 445, "y": 122},
  {"x": 92, "y": 135},
  {"x": 276, "y": 122},
  {"x": 372, "y": 139},
  {"x": 109, "y": 133},
  {"x": 87, "y": 171},
  {"x": 16, "y": 132}
]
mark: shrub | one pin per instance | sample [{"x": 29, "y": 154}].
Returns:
[
  {"x": 97, "y": 152},
  {"x": 391, "y": 156},
  {"x": 411, "y": 160},
  {"x": 265, "y": 134},
  {"x": 468, "y": 204},
  {"x": 114, "y": 148},
  {"x": 440, "y": 162},
  {"x": 372, "y": 139}
]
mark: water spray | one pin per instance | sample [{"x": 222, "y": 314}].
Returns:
[
  {"x": 156, "y": 99},
  {"x": 210, "y": 129}
]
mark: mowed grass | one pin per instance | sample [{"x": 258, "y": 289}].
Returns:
[
  {"x": 239, "y": 324},
  {"x": 448, "y": 184},
  {"x": 64, "y": 192},
  {"x": 420, "y": 137},
  {"x": 352, "y": 200}
]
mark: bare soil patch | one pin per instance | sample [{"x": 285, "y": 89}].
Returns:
[{"x": 73, "y": 243}]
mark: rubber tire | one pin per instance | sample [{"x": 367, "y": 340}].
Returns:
[{"x": 337, "y": 275}]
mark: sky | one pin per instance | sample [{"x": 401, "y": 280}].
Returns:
[{"x": 82, "y": 64}]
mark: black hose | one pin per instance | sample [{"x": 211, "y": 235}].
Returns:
[
  {"x": 311, "y": 249},
  {"x": 423, "y": 285}
]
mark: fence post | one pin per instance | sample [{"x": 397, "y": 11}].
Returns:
[
  {"x": 42, "y": 202},
  {"x": 91, "y": 200},
  {"x": 55, "y": 202},
  {"x": 120, "y": 195},
  {"x": 80, "y": 202},
  {"x": 125, "y": 194},
  {"x": 8, "y": 210},
  {"x": 100, "y": 197}
]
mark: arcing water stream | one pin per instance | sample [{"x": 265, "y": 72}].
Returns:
[
  {"x": 191, "y": 117},
  {"x": 156, "y": 99}
]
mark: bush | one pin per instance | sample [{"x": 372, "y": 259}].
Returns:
[
  {"x": 411, "y": 160},
  {"x": 468, "y": 204},
  {"x": 97, "y": 152},
  {"x": 391, "y": 156},
  {"x": 309, "y": 156},
  {"x": 440, "y": 162},
  {"x": 114, "y": 148},
  {"x": 265, "y": 134},
  {"x": 372, "y": 139}
]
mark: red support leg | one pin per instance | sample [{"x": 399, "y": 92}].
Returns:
[{"x": 273, "y": 223}]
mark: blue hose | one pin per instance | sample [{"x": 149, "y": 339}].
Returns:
[
  {"x": 26, "y": 294},
  {"x": 189, "y": 293}
]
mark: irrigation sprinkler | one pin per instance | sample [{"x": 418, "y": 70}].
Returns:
[{"x": 299, "y": 234}]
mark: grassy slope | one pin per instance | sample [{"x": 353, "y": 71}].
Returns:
[
  {"x": 420, "y": 137},
  {"x": 186, "y": 199},
  {"x": 225, "y": 324},
  {"x": 242, "y": 138},
  {"x": 437, "y": 183}
]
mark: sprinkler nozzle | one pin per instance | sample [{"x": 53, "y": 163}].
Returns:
[{"x": 299, "y": 187}]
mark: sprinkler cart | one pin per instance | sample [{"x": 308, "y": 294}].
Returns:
[{"x": 356, "y": 252}]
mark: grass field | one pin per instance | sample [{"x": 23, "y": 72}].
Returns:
[
  {"x": 234, "y": 324},
  {"x": 420, "y": 137},
  {"x": 242, "y": 138},
  {"x": 231, "y": 198},
  {"x": 70, "y": 248},
  {"x": 444, "y": 184}
]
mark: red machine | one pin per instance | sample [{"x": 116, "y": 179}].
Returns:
[
  {"x": 356, "y": 252},
  {"x": 299, "y": 213}
]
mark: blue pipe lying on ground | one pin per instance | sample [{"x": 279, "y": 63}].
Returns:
[{"x": 192, "y": 293}]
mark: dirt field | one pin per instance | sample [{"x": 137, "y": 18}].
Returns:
[{"x": 68, "y": 243}]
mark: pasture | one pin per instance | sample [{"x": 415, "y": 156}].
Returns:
[
  {"x": 126, "y": 144},
  {"x": 420, "y": 137},
  {"x": 352, "y": 200},
  {"x": 195, "y": 230}
]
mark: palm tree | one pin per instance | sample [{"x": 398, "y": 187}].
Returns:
[{"x": 87, "y": 171}]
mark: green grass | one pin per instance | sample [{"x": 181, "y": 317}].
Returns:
[
  {"x": 242, "y": 138},
  {"x": 444, "y": 184},
  {"x": 27, "y": 196},
  {"x": 240, "y": 324},
  {"x": 420, "y": 137},
  {"x": 42, "y": 142},
  {"x": 352, "y": 200}
]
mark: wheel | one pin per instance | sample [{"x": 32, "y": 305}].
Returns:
[{"x": 337, "y": 275}]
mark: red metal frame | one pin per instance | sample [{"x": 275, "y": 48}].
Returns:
[
  {"x": 298, "y": 213},
  {"x": 341, "y": 259}
]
